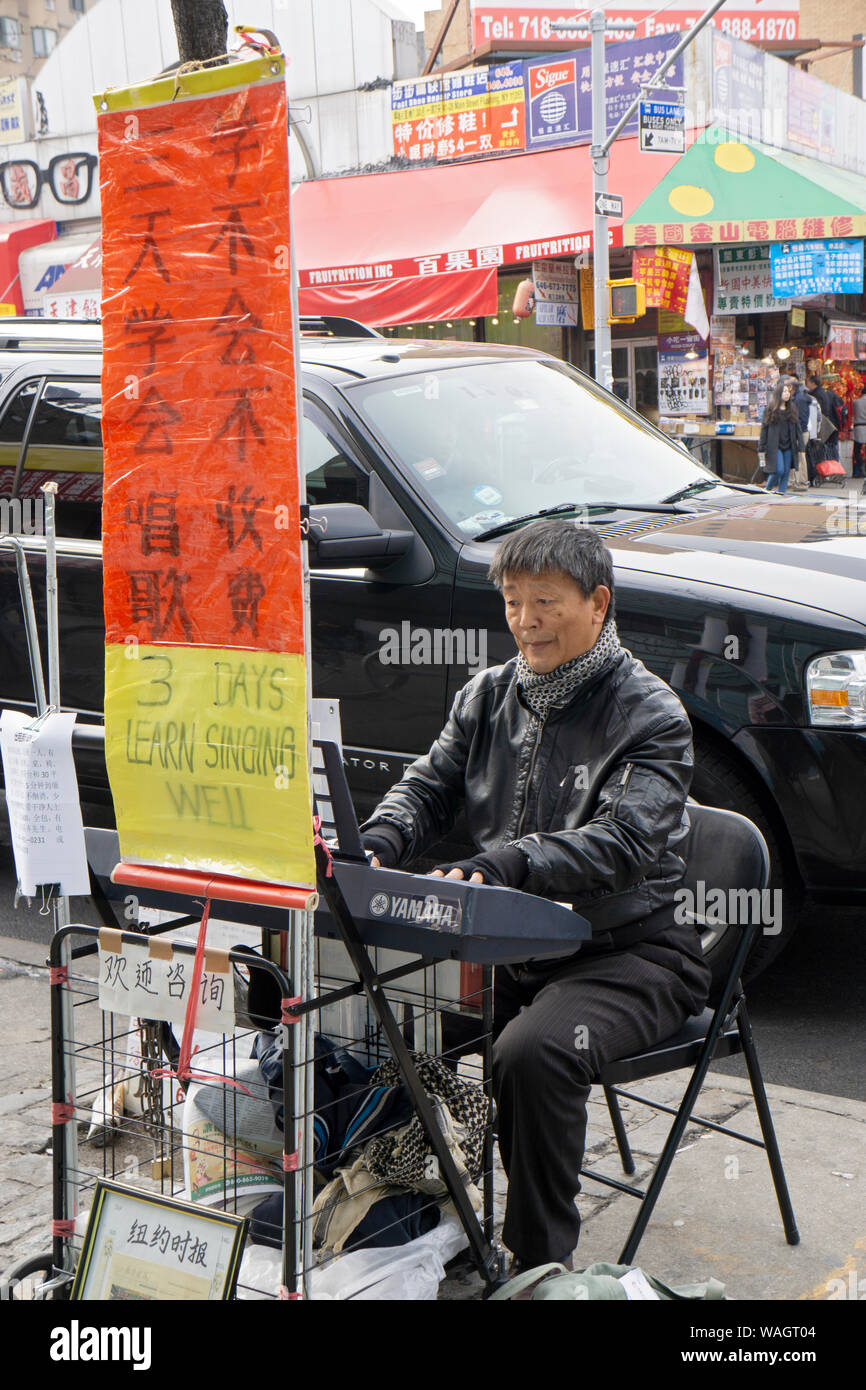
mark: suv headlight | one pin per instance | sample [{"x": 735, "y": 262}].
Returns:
[{"x": 836, "y": 689}]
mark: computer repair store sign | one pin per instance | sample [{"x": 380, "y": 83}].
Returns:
[{"x": 529, "y": 21}]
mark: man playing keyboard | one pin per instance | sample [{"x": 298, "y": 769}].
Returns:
[{"x": 572, "y": 763}]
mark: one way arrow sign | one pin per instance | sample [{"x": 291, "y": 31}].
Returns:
[{"x": 608, "y": 205}]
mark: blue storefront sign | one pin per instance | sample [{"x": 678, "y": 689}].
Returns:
[
  {"x": 551, "y": 101},
  {"x": 803, "y": 268},
  {"x": 628, "y": 66}
]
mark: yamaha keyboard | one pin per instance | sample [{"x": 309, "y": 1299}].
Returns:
[
  {"x": 445, "y": 919},
  {"x": 450, "y": 919}
]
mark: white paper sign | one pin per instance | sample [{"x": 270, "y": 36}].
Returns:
[
  {"x": 149, "y": 979},
  {"x": 42, "y": 798},
  {"x": 555, "y": 293}
]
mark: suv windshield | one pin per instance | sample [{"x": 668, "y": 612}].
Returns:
[{"x": 496, "y": 440}]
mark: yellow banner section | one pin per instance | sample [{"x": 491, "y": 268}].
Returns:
[{"x": 206, "y": 753}]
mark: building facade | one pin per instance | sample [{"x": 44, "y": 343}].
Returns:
[{"x": 30, "y": 30}]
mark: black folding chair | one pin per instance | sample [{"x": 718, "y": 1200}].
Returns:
[{"x": 724, "y": 850}]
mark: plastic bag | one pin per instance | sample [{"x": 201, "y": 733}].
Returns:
[{"x": 400, "y": 1273}]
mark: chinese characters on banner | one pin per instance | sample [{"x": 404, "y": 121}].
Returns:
[
  {"x": 665, "y": 273},
  {"x": 476, "y": 112},
  {"x": 744, "y": 282},
  {"x": 817, "y": 267},
  {"x": 842, "y": 342},
  {"x": 206, "y": 718},
  {"x": 627, "y": 67}
]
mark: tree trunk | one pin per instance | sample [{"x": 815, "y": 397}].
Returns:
[{"x": 202, "y": 29}]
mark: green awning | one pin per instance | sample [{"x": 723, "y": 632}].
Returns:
[{"x": 725, "y": 190}]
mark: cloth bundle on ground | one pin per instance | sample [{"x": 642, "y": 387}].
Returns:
[{"x": 382, "y": 1181}]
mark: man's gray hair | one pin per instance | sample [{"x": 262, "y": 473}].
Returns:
[{"x": 543, "y": 547}]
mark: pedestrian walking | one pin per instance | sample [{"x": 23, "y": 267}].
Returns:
[
  {"x": 859, "y": 418},
  {"x": 817, "y": 450},
  {"x": 781, "y": 437},
  {"x": 808, "y": 415}
]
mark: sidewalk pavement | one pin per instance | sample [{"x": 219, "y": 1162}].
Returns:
[{"x": 717, "y": 1215}]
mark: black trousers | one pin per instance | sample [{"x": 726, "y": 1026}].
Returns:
[{"x": 552, "y": 1033}]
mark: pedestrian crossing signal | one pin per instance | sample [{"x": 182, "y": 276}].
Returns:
[{"x": 627, "y": 301}]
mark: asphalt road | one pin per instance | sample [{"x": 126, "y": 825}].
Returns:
[{"x": 807, "y": 1010}]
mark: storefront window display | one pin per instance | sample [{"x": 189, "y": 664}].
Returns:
[
  {"x": 501, "y": 327},
  {"x": 635, "y": 375},
  {"x": 463, "y": 330}
]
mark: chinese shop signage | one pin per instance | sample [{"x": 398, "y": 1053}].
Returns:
[
  {"x": 744, "y": 282},
  {"x": 458, "y": 115}
]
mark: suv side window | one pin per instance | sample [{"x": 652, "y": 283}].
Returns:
[
  {"x": 12, "y": 427},
  {"x": 330, "y": 475},
  {"x": 65, "y": 443}
]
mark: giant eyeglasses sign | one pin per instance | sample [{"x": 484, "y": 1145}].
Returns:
[
  {"x": 205, "y": 706},
  {"x": 69, "y": 176}
]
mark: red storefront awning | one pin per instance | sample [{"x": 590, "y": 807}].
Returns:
[
  {"x": 426, "y": 243},
  {"x": 16, "y": 237}
]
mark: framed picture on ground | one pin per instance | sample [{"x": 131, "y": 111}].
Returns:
[{"x": 145, "y": 1246}]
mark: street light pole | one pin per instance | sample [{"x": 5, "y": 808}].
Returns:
[
  {"x": 600, "y": 246},
  {"x": 598, "y": 27}
]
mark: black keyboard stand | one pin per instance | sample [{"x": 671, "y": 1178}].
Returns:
[{"x": 487, "y": 1259}]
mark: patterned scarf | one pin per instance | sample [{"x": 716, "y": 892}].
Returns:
[{"x": 542, "y": 693}]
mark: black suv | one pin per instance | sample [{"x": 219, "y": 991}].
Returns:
[{"x": 418, "y": 456}]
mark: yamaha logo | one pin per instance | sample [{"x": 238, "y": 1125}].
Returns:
[{"x": 429, "y": 911}]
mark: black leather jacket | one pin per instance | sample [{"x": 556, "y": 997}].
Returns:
[{"x": 594, "y": 796}]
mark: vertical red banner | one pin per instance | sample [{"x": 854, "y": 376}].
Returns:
[{"x": 205, "y": 675}]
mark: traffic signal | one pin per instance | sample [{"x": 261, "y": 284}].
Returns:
[{"x": 627, "y": 301}]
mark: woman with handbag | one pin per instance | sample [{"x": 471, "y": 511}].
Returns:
[{"x": 781, "y": 437}]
